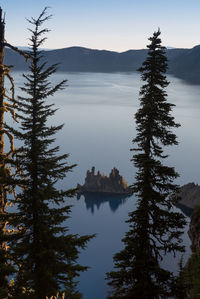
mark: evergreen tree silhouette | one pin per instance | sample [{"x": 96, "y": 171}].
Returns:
[
  {"x": 155, "y": 229},
  {"x": 45, "y": 252}
]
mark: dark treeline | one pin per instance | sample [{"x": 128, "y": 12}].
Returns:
[{"x": 182, "y": 63}]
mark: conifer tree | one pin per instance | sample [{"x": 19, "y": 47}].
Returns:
[
  {"x": 155, "y": 229},
  {"x": 45, "y": 252}
]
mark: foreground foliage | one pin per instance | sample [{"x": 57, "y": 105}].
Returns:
[
  {"x": 188, "y": 281},
  {"x": 191, "y": 277},
  {"x": 9, "y": 166},
  {"x": 154, "y": 228}
]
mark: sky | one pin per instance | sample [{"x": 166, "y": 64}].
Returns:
[{"x": 116, "y": 25}]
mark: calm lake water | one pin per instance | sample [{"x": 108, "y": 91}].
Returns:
[{"x": 98, "y": 111}]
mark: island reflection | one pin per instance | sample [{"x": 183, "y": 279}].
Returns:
[{"x": 95, "y": 200}]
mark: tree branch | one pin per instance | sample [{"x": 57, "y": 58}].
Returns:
[{"x": 26, "y": 56}]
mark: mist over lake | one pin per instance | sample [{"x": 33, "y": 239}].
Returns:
[{"x": 98, "y": 112}]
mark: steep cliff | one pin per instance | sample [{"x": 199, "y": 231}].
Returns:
[
  {"x": 194, "y": 230},
  {"x": 189, "y": 276},
  {"x": 99, "y": 183}
]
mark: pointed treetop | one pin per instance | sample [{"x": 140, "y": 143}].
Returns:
[
  {"x": 41, "y": 19},
  {"x": 155, "y": 34},
  {"x": 2, "y": 18},
  {"x": 155, "y": 41}
]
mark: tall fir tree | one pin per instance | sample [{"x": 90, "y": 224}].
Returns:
[
  {"x": 44, "y": 251},
  {"x": 155, "y": 229}
]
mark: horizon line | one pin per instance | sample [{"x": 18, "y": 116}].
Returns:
[{"x": 103, "y": 49}]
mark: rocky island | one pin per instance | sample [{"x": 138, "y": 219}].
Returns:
[
  {"x": 189, "y": 195},
  {"x": 113, "y": 184}
]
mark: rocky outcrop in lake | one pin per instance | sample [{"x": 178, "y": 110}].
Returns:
[
  {"x": 100, "y": 183},
  {"x": 189, "y": 195},
  {"x": 190, "y": 198}
]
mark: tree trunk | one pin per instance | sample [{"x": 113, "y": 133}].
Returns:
[{"x": 3, "y": 279}]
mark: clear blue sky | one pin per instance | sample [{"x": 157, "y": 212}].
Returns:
[{"x": 116, "y": 25}]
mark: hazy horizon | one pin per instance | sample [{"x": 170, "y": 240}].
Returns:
[
  {"x": 114, "y": 25},
  {"x": 103, "y": 49}
]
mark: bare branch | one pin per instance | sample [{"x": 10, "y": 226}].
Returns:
[{"x": 26, "y": 55}]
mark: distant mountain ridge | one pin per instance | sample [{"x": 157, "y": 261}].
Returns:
[{"x": 183, "y": 63}]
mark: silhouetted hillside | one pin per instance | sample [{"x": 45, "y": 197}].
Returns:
[
  {"x": 183, "y": 63},
  {"x": 187, "y": 65}
]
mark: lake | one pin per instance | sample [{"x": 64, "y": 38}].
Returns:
[{"x": 98, "y": 112}]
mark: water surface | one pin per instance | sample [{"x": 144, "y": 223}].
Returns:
[{"x": 98, "y": 112}]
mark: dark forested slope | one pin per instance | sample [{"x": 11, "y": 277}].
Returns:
[{"x": 183, "y": 63}]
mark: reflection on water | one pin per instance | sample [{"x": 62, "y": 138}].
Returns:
[{"x": 95, "y": 200}]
